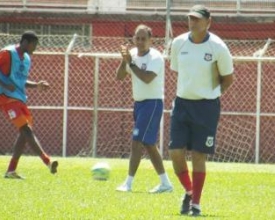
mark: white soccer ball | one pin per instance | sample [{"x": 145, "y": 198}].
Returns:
[{"x": 101, "y": 171}]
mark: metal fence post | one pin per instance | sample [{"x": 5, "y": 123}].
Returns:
[
  {"x": 95, "y": 121},
  {"x": 258, "y": 101},
  {"x": 66, "y": 89}
]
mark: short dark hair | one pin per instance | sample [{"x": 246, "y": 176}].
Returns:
[
  {"x": 29, "y": 36},
  {"x": 144, "y": 27}
]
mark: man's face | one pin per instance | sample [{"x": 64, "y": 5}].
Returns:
[
  {"x": 30, "y": 47},
  {"x": 142, "y": 40},
  {"x": 198, "y": 25}
]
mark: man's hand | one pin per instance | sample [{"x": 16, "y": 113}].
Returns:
[
  {"x": 42, "y": 85},
  {"x": 126, "y": 56}
]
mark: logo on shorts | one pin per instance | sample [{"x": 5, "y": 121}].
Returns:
[
  {"x": 135, "y": 132},
  {"x": 207, "y": 57},
  {"x": 12, "y": 114},
  {"x": 209, "y": 141}
]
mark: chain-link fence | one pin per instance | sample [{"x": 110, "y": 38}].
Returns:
[
  {"x": 87, "y": 112},
  {"x": 223, "y": 6}
]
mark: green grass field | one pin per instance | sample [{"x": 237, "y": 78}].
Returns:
[{"x": 232, "y": 191}]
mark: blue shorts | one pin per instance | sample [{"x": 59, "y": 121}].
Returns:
[
  {"x": 147, "y": 116},
  {"x": 194, "y": 124}
]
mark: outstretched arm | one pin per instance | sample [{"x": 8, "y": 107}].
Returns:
[{"x": 41, "y": 85}]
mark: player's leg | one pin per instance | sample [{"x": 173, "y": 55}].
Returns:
[
  {"x": 135, "y": 157},
  {"x": 18, "y": 149},
  {"x": 134, "y": 161},
  {"x": 198, "y": 176},
  {"x": 34, "y": 143},
  {"x": 12, "y": 110},
  {"x": 32, "y": 140},
  {"x": 155, "y": 157},
  {"x": 147, "y": 125},
  {"x": 205, "y": 115},
  {"x": 179, "y": 139},
  {"x": 22, "y": 119},
  {"x": 135, "y": 154},
  {"x": 178, "y": 157}
]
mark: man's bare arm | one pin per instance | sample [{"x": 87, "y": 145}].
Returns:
[
  {"x": 145, "y": 76},
  {"x": 121, "y": 71},
  {"x": 226, "y": 82}
]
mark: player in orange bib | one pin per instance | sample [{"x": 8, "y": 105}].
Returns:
[{"x": 15, "y": 64}]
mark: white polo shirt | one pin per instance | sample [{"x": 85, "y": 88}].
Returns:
[
  {"x": 152, "y": 61},
  {"x": 193, "y": 62}
]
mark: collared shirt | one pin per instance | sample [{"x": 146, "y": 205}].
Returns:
[
  {"x": 152, "y": 61},
  {"x": 194, "y": 63}
]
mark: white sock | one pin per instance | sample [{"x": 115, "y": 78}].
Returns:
[
  {"x": 164, "y": 179},
  {"x": 129, "y": 180},
  {"x": 197, "y": 206}
]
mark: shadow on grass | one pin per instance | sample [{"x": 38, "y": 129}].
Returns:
[{"x": 202, "y": 216}]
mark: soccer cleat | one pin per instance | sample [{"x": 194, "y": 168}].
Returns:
[
  {"x": 13, "y": 175},
  {"x": 195, "y": 212},
  {"x": 53, "y": 167},
  {"x": 124, "y": 188},
  {"x": 186, "y": 204},
  {"x": 161, "y": 189}
]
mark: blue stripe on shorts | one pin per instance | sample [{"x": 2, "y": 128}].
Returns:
[{"x": 147, "y": 117}]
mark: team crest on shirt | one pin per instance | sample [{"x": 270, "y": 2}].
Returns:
[
  {"x": 144, "y": 66},
  {"x": 12, "y": 114},
  {"x": 209, "y": 141},
  {"x": 207, "y": 56}
]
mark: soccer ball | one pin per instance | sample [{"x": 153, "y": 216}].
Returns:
[{"x": 101, "y": 171}]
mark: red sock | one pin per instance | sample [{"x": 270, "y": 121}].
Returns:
[
  {"x": 185, "y": 180},
  {"x": 45, "y": 158},
  {"x": 198, "y": 182},
  {"x": 12, "y": 165}
]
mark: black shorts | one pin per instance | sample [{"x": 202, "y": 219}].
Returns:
[{"x": 194, "y": 124}]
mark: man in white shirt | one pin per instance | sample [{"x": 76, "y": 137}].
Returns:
[
  {"x": 146, "y": 67},
  {"x": 204, "y": 68}
]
